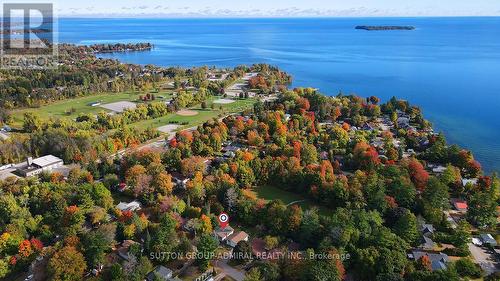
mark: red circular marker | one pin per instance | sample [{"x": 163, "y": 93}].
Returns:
[{"x": 223, "y": 220}]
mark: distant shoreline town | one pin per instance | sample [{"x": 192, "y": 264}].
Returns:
[{"x": 382, "y": 27}]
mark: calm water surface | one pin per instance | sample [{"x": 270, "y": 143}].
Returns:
[{"x": 448, "y": 66}]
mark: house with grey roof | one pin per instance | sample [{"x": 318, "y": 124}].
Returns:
[
  {"x": 427, "y": 229},
  {"x": 488, "y": 239},
  {"x": 160, "y": 273},
  {"x": 427, "y": 243},
  {"x": 438, "y": 260}
]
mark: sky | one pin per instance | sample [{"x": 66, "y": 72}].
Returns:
[{"x": 277, "y": 8}]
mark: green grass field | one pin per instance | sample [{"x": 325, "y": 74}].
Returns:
[
  {"x": 202, "y": 116},
  {"x": 78, "y": 105},
  {"x": 270, "y": 193}
]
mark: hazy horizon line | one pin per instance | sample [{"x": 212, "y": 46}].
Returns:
[{"x": 142, "y": 16}]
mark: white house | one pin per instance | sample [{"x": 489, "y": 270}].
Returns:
[
  {"x": 132, "y": 206},
  {"x": 469, "y": 181},
  {"x": 36, "y": 166}
]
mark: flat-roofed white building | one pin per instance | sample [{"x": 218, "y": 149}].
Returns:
[{"x": 33, "y": 167}]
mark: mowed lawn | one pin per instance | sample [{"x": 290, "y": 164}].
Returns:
[
  {"x": 269, "y": 193},
  {"x": 202, "y": 116},
  {"x": 79, "y": 106}
]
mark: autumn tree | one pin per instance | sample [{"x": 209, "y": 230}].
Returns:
[
  {"x": 191, "y": 165},
  {"x": 195, "y": 188},
  {"x": 67, "y": 264},
  {"x": 163, "y": 183},
  {"x": 365, "y": 156},
  {"x": 133, "y": 174},
  {"x": 418, "y": 174}
]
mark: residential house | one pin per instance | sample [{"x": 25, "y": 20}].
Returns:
[
  {"x": 123, "y": 250},
  {"x": 223, "y": 233},
  {"x": 179, "y": 180},
  {"x": 438, "y": 261},
  {"x": 403, "y": 122},
  {"x": 160, "y": 273},
  {"x": 132, "y": 206},
  {"x": 427, "y": 229},
  {"x": 469, "y": 181},
  {"x": 235, "y": 238},
  {"x": 427, "y": 243},
  {"x": 488, "y": 239},
  {"x": 450, "y": 219},
  {"x": 367, "y": 127},
  {"x": 460, "y": 206},
  {"x": 438, "y": 169}
]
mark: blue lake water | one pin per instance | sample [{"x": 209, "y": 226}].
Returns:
[{"x": 450, "y": 67}]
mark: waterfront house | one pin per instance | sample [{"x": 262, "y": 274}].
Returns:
[{"x": 469, "y": 181}]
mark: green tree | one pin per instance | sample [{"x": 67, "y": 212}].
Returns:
[
  {"x": 96, "y": 243},
  {"x": 253, "y": 275},
  {"x": 435, "y": 198},
  {"x": 482, "y": 210},
  {"x": 165, "y": 238},
  {"x": 406, "y": 227},
  {"x": 242, "y": 252},
  {"x": 206, "y": 250},
  {"x": 32, "y": 122},
  {"x": 466, "y": 267}
]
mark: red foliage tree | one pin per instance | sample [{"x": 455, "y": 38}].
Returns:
[
  {"x": 424, "y": 263},
  {"x": 484, "y": 182},
  {"x": 297, "y": 146},
  {"x": 25, "y": 249},
  {"x": 173, "y": 143},
  {"x": 391, "y": 202},
  {"x": 36, "y": 244},
  {"x": 366, "y": 155},
  {"x": 473, "y": 168},
  {"x": 303, "y": 103},
  {"x": 418, "y": 174}
]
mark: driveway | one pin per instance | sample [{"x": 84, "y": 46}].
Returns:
[
  {"x": 484, "y": 258},
  {"x": 236, "y": 274}
]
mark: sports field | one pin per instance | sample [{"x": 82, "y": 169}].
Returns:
[
  {"x": 71, "y": 108},
  {"x": 203, "y": 115}
]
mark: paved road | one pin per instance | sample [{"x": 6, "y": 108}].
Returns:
[{"x": 236, "y": 274}]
